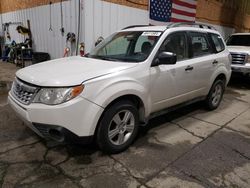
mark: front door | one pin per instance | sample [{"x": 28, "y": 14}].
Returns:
[{"x": 170, "y": 83}]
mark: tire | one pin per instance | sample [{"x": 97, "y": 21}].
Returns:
[
  {"x": 114, "y": 124},
  {"x": 215, "y": 95}
]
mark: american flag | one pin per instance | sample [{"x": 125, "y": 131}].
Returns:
[{"x": 162, "y": 11}]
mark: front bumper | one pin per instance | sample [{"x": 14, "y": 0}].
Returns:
[
  {"x": 245, "y": 69},
  {"x": 60, "y": 134},
  {"x": 77, "y": 117}
]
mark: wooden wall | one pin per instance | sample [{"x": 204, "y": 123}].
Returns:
[
  {"x": 229, "y": 13},
  {"x": 141, "y": 4},
  {"x": 223, "y": 13},
  {"x": 13, "y": 5}
]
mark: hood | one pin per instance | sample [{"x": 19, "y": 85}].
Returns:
[
  {"x": 69, "y": 71},
  {"x": 239, "y": 49}
]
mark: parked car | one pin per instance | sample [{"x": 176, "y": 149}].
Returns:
[
  {"x": 239, "y": 46},
  {"x": 130, "y": 77}
]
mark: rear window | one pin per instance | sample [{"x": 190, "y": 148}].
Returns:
[
  {"x": 239, "y": 40},
  {"x": 218, "y": 42}
]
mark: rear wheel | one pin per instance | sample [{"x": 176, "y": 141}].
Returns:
[
  {"x": 215, "y": 94},
  {"x": 118, "y": 127}
]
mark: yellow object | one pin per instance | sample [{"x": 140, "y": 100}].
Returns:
[{"x": 77, "y": 90}]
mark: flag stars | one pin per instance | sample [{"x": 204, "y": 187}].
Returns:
[{"x": 160, "y": 10}]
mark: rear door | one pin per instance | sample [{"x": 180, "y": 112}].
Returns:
[
  {"x": 220, "y": 54},
  {"x": 201, "y": 62}
]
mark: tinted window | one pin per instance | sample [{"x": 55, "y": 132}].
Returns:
[
  {"x": 218, "y": 43},
  {"x": 239, "y": 40},
  {"x": 145, "y": 40},
  {"x": 176, "y": 43},
  {"x": 199, "y": 44}
]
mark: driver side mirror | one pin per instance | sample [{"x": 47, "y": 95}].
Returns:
[{"x": 165, "y": 58}]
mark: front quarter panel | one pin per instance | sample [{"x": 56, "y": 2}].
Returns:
[{"x": 104, "y": 90}]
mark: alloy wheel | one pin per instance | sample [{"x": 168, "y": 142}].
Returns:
[
  {"x": 217, "y": 94},
  {"x": 121, "y": 127}
]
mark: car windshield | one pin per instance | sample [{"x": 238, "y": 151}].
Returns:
[
  {"x": 239, "y": 40},
  {"x": 129, "y": 46}
]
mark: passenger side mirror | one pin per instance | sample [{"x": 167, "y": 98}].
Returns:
[{"x": 165, "y": 58}]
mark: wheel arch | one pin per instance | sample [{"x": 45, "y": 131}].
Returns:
[
  {"x": 136, "y": 100},
  {"x": 221, "y": 76},
  {"x": 221, "y": 73}
]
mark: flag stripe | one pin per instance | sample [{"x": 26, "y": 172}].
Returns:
[
  {"x": 193, "y": 2},
  {"x": 185, "y": 4},
  {"x": 182, "y": 17},
  {"x": 183, "y": 8},
  {"x": 154, "y": 22},
  {"x": 179, "y": 20},
  {"x": 181, "y": 12}
]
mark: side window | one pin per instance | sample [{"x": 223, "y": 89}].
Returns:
[
  {"x": 176, "y": 43},
  {"x": 199, "y": 44},
  {"x": 218, "y": 43}
]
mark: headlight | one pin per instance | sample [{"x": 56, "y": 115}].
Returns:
[{"x": 53, "y": 96}]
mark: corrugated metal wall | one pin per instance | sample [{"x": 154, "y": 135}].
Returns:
[
  {"x": 98, "y": 18},
  {"x": 44, "y": 40},
  {"x": 103, "y": 18},
  {"x": 1, "y": 22}
]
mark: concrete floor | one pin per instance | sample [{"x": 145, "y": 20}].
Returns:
[{"x": 186, "y": 148}]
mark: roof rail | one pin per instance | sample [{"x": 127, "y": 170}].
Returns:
[
  {"x": 201, "y": 25},
  {"x": 132, "y": 26}
]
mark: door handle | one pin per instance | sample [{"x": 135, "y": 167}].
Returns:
[
  {"x": 215, "y": 62},
  {"x": 189, "y": 68}
]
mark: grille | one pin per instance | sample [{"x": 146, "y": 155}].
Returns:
[
  {"x": 23, "y": 92},
  {"x": 239, "y": 58}
]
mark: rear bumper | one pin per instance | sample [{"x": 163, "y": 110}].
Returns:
[
  {"x": 74, "y": 120},
  {"x": 245, "y": 69}
]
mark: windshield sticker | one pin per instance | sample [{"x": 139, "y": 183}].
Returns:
[{"x": 150, "y": 33}]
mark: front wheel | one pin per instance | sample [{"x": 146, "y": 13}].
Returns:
[
  {"x": 118, "y": 127},
  {"x": 215, "y": 94}
]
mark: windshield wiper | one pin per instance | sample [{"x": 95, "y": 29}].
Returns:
[
  {"x": 105, "y": 58},
  {"x": 114, "y": 59}
]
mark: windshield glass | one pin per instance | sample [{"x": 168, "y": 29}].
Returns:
[
  {"x": 132, "y": 46},
  {"x": 239, "y": 40}
]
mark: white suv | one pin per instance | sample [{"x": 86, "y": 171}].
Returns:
[
  {"x": 132, "y": 76},
  {"x": 239, "y": 47}
]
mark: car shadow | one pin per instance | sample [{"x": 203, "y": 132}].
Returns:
[{"x": 168, "y": 117}]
